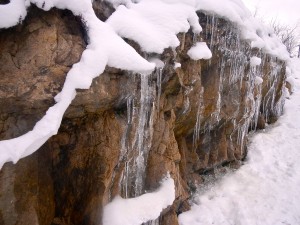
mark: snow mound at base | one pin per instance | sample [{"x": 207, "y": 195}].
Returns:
[{"x": 135, "y": 211}]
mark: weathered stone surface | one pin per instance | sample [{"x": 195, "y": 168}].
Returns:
[
  {"x": 201, "y": 122},
  {"x": 26, "y": 190},
  {"x": 35, "y": 57},
  {"x": 83, "y": 163}
]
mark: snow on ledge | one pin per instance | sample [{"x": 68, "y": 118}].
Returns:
[
  {"x": 199, "y": 51},
  {"x": 252, "y": 30},
  {"x": 255, "y": 61},
  {"x": 177, "y": 65},
  {"x": 258, "y": 80},
  {"x": 12, "y": 13},
  {"x": 154, "y": 24},
  {"x": 158, "y": 62},
  {"x": 135, "y": 211}
]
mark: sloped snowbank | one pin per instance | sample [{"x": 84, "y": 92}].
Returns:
[
  {"x": 135, "y": 211},
  {"x": 264, "y": 191}
]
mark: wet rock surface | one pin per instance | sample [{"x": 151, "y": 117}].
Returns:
[{"x": 194, "y": 118}]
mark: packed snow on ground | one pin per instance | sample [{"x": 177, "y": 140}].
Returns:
[
  {"x": 264, "y": 191},
  {"x": 135, "y": 211},
  {"x": 199, "y": 51}
]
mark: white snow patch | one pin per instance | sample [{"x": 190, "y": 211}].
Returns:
[
  {"x": 177, "y": 65},
  {"x": 255, "y": 61},
  {"x": 292, "y": 68},
  {"x": 199, "y": 51},
  {"x": 192, "y": 3},
  {"x": 266, "y": 189},
  {"x": 258, "y": 80},
  {"x": 260, "y": 35},
  {"x": 12, "y": 13},
  {"x": 135, "y": 211},
  {"x": 116, "y": 3},
  {"x": 158, "y": 62},
  {"x": 288, "y": 71},
  {"x": 154, "y": 24},
  {"x": 291, "y": 81}
]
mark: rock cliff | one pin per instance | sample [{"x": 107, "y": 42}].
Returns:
[{"x": 127, "y": 131}]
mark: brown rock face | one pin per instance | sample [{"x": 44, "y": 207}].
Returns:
[
  {"x": 114, "y": 140},
  {"x": 35, "y": 57}
]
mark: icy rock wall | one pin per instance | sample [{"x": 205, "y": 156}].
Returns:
[{"x": 119, "y": 138}]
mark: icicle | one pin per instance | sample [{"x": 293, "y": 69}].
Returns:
[
  {"x": 152, "y": 222},
  {"x": 212, "y": 31},
  {"x": 125, "y": 148},
  {"x": 196, "y": 134},
  {"x": 174, "y": 52},
  {"x": 125, "y": 181},
  {"x": 158, "y": 84},
  {"x": 129, "y": 110},
  {"x": 207, "y": 27},
  {"x": 186, "y": 105},
  {"x": 270, "y": 107},
  {"x": 242, "y": 132},
  {"x": 134, "y": 151},
  {"x": 216, "y": 114},
  {"x": 140, "y": 160},
  {"x": 257, "y": 106},
  {"x": 124, "y": 140}
]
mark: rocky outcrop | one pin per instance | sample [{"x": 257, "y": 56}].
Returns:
[{"x": 184, "y": 120}]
